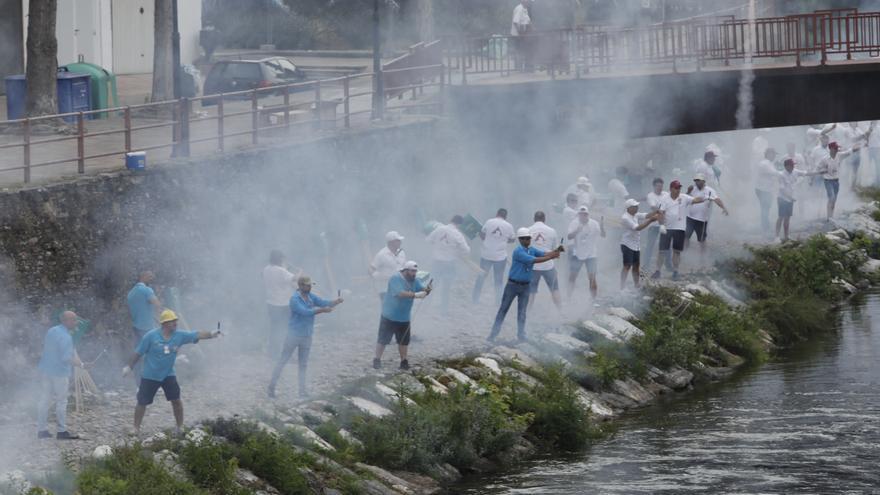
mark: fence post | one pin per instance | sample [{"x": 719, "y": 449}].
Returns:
[
  {"x": 345, "y": 92},
  {"x": 80, "y": 144},
  {"x": 126, "y": 117},
  {"x": 220, "y": 131},
  {"x": 848, "y": 44},
  {"x": 255, "y": 118},
  {"x": 27, "y": 150},
  {"x": 286, "y": 107},
  {"x": 184, "y": 126},
  {"x": 319, "y": 124}
]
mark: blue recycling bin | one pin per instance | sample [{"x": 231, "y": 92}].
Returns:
[{"x": 73, "y": 91}]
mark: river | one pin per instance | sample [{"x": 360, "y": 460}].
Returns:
[{"x": 807, "y": 422}]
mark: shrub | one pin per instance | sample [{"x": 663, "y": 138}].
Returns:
[
  {"x": 131, "y": 471},
  {"x": 212, "y": 466},
  {"x": 608, "y": 364}
]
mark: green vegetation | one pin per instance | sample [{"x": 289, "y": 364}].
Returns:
[
  {"x": 131, "y": 471},
  {"x": 211, "y": 466}
]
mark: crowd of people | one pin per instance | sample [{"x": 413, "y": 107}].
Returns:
[{"x": 659, "y": 223}]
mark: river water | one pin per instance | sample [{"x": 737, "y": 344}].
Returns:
[{"x": 808, "y": 422}]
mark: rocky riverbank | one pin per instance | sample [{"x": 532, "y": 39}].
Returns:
[{"x": 420, "y": 431}]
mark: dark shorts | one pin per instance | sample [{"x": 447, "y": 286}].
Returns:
[
  {"x": 673, "y": 237},
  {"x": 399, "y": 329},
  {"x": 549, "y": 276},
  {"x": 832, "y": 188},
  {"x": 576, "y": 264},
  {"x": 698, "y": 226},
  {"x": 786, "y": 208},
  {"x": 630, "y": 257},
  {"x": 148, "y": 388}
]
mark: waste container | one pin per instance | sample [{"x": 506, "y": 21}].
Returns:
[
  {"x": 73, "y": 92},
  {"x": 103, "y": 85}
]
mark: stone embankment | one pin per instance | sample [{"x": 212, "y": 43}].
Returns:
[{"x": 421, "y": 430}]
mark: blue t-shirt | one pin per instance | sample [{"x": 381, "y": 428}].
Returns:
[
  {"x": 159, "y": 354},
  {"x": 139, "y": 305},
  {"x": 398, "y": 308},
  {"x": 302, "y": 313},
  {"x": 522, "y": 262},
  {"x": 57, "y": 352}
]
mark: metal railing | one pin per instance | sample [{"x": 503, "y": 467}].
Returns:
[{"x": 222, "y": 122}]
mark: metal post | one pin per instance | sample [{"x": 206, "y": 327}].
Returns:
[
  {"x": 378, "y": 83},
  {"x": 175, "y": 49},
  {"x": 184, "y": 126},
  {"x": 27, "y": 150},
  {"x": 345, "y": 93},
  {"x": 255, "y": 118},
  {"x": 220, "y": 132},
  {"x": 286, "y": 107},
  {"x": 80, "y": 144},
  {"x": 126, "y": 115}
]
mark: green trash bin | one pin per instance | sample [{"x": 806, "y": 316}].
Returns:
[{"x": 103, "y": 85}]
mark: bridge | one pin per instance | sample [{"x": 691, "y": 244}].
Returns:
[{"x": 590, "y": 82}]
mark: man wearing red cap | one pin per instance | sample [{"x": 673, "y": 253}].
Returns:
[
  {"x": 830, "y": 168},
  {"x": 673, "y": 221}
]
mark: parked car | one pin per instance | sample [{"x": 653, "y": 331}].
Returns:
[{"x": 229, "y": 76}]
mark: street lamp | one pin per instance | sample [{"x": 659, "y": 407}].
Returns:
[{"x": 378, "y": 84}]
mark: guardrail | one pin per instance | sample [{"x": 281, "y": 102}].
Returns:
[{"x": 224, "y": 121}]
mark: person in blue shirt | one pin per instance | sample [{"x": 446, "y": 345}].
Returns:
[
  {"x": 59, "y": 356},
  {"x": 144, "y": 306},
  {"x": 303, "y": 307},
  {"x": 159, "y": 349},
  {"x": 520, "y": 277},
  {"x": 403, "y": 288}
]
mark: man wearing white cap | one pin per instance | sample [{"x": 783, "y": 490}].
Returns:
[
  {"x": 830, "y": 168},
  {"x": 707, "y": 166},
  {"x": 544, "y": 238},
  {"x": 519, "y": 279},
  {"x": 387, "y": 262},
  {"x": 585, "y": 233},
  {"x": 633, "y": 224},
  {"x": 698, "y": 213},
  {"x": 496, "y": 234},
  {"x": 396, "y": 321},
  {"x": 583, "y": 189},
  {"x": 766, "y": 184},
  {"x": 448, "y": 244}
]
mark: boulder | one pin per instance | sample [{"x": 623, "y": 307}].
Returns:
[
  {"x": 519, "y": 375},
  {"x": 631, "y": 389},
  {"x": 490, "y": 364},
  {"x": 459, "y": 376},
  {"x": 870, "y": 267},
  {"x": 395, "y": 482},
  {"x": 350, "y": 438},
  {"x": 169, "y": 461},
  {"x": 567, "y": 343},
  {"x": 155, "y": 438},
  {"x": 516, "y": 355},
  {"x": 676, "y": 378},
  {"x": 391, "y": 394},
  {"x": 249, "y": 480},
  {"x": 102, "y": 452},
  {"x": 619, "y": 327},
  {"x": 846, "y": 286},
  {"x": 621, "y": 313},
  {"x": 369, "y": 407},
  {"x": 436, "y": 386},
  {"x": 312, "y": 437},
  {"x": 407, "y": 383},
  {"x": 697, "y": 289},
  {"x": 594, "y": 332},
  {"x": 724, "y": 294},
  {"x": 591, "y": 402}
]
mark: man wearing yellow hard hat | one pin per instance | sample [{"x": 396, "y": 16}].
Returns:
[{"x": 159, "y": 349}]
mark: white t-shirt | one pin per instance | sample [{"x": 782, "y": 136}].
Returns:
[
  {"x": 568, "y": 214},
  {"x": 520, "y": 17},
  {"x": 655, "y": 203},
  {"x": 831, "y": 166},
  {"x": 498, "y": 232},
  {"x": 584, "y": 197},
  {"x": 701, "y": 167},
  {"x": 787, "y": 181},
  {"x": 766, "y": 177},
  {"x": 278, "y": 283},
  {"x": 448, "y": 243},
  {"x": 546, "y": 239},
  {"x": 631, "y": 237},
  {"x": 817, "y": 154},
  {"x": 702, "y": 211},
  {"x": 618, "y": 191},
  {"x": 676, "y": 211},
  {"x": 848, "y": 135},
  {"x": 586, "y": 241},
  {"x": 386, "y": 264}
]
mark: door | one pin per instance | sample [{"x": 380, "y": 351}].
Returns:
[{"x": 132, "y": 36}]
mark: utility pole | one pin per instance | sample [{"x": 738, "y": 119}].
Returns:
[
  {"x": 175, "y": 50},
  {"x": 378, "y": 84}
]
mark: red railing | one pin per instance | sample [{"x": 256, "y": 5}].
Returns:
[{"x": 222, "y": 122}]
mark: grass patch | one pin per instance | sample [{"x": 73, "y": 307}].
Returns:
[
  {"x": 212, "y": 466},
  {"x": 131, "y": 471}
]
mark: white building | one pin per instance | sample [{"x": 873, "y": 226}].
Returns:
[{"x": 115, "y": 34}]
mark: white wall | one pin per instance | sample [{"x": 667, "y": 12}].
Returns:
[
  {"x": 82, "y": 28},
  {"x": 133, "y": 34}
]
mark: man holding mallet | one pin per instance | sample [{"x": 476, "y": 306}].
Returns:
[{"x": 396, "y": 319}]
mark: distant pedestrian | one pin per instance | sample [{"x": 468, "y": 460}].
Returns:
[
  {"x": 448, "y": 244},
  {"x": 583, "y": 190},
  {"x": 674, "y": 210},
  {"x": 544, "y": 238},
  {"x": 144, "y": 307},
  {"x": 830, "y": 168},
  {"x": 159, "y": 349},
  {"x": 707, "y": 167},
  {"x": 633, "y": 224},
  {"x": 59, "y": 356},
  {"x": 496, "y": 234},
  {"x": 785, "y": 200},
  {"x": 304, "y": 305},
  {"x": 617, "y": 189},
  {"x": 655, "y": 200},
  {"x": 387, "y": 262},
  {"x": 519, "y": 279},
  {"x": 520, "y": 28},
  {"x": 396, "y": 321},
  {"x": 278, "y": 284},
  {"x": 698, "y": 215},
  {"x": 585, "y": 233},
  {"x": 766, "y": 184}
]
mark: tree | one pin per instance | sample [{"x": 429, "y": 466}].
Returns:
[
  {"x": 426, "y": 20},
  {"x": 42, "y": 58},
  {"x": 163, "y": 75}
]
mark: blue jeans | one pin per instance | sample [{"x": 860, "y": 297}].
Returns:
[
  {"x": 444, "y": 275},
  {"x": 53, "y": 388},
  {"x": 302, "y": 345},
  {"x": 512, "y": 290},
  {"x": 498, "y": 272}
]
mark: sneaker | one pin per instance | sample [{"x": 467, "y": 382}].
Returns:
[
  {"x": 675, "y": 275},
  {"x": 66, "y": 435},
  {"x": 271, "y": 392},
  {"x": 404, "y": 364},
  {"x": 655, "y": 275},
  {"x": 44, "y": 434},
  {"x": 377, "y": 363}
]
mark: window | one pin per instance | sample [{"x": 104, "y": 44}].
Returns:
[{"x": 239, "y": 70}]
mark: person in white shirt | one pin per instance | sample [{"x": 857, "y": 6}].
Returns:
[
  {"x": 674, "y": 210},
  {"x": 387, "y": 262},
  {"x": 654, "y": 200},
  {"x": 447, "y": 243},
  {"x": 569, "y": 213},
  {"x": 278, "y": 284},
  {"x": 617, "y": 189},
  {"x": 496, "y": 234},
  {"x": 585, "y": 233},
  {"x": 633, "y": 224},
  {"x": 830, "y": 168},
  {"x": 766, "y": 181},
  {"x": 546, "y": 239},
  {"x": 707, "y": 167},
  {"x": 785, "y": 200},
  {"x": 519, "y": 28},
  {"x": 873, "y": 143},
  {"x": 850, "y": 136},
  {"x": 583, "y": 189},
  {"x": 815, "y": 132},
  {"x": 699, "y": 214}
]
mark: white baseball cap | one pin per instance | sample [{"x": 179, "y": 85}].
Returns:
[
  {"x": 523, "y": 232},
  {"x": 583, "y": 209},
  {"x": 393, "y": 236},
  {"x": 410, "y": 265},
  {"x": 583, "y": 181},
  {"x": 630, "y": 203},
  {"x": 699, "y": 176}
]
